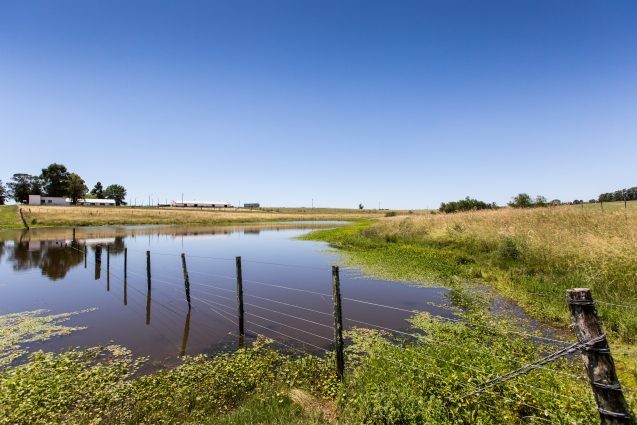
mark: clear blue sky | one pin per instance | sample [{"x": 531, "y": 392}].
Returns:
[{"x": 409, "y": 103}]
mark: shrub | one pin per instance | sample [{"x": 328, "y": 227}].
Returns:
[{"x": 467, "y": 204}]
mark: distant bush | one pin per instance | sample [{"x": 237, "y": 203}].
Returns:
[
  {"x": 466, "y": 204},
  {"x": 390, "y": 214}
]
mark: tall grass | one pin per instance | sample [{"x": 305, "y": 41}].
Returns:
[{"x": 531, "y": 256}]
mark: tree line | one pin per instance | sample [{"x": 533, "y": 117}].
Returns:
[
  {"x": 56, "y": 180},
  {"x": 629, "y": 194},
  {"x": 521, "y": 200}
]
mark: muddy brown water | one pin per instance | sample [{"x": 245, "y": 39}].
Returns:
[{"x": 45, "y": 269}]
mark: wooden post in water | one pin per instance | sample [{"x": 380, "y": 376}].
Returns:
[
  {"x": 148, "y": 268},
  {"x": 125, "y": 276},
  {"x": 600, "y": 367},
  {"x": 240, "y": 301},
  {"x": 85, "y": 252},
  {"x": 338, "y": 323},
  {"x": 148, "y": 290},
  {"x": 186, "y": 280},
  {"x": 74, "y": 233}
]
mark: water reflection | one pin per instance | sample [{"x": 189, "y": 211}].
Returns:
[
  {"x": 56, "y": 251},
  {"x": 165, "y": 305}
]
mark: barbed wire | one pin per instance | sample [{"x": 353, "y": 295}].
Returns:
[{"x": 528, "y": 367}]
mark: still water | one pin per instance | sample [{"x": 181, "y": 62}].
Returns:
[{"x": 47, "y": 269}]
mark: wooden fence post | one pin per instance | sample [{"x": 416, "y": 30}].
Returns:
[
  {"x": 85, "y": 252},
  {"x": 148, "y": 268},
  {"x": 125, "y": 276},
  {"x": 108, "y": 267},
  {"x": 598, "y": 360},
  {"x": 186, "y": 280},
  {"x": 338, "y": 323},
  {"x": 240, "y": 301}
]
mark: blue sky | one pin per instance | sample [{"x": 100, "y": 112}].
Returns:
[{"x": 406, "y": 103}]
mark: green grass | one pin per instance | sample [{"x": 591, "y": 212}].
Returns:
[{"x": 9, "y": 218}]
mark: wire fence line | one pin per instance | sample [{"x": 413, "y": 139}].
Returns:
[{"x": 204, "y": 290}]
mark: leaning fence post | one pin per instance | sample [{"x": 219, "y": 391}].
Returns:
[
  {"x": 186, "y": 280},
  {"x": 338, "y": 323},
  {"x": 598, "y": 360},
  {"x": 240, "y": 301}
]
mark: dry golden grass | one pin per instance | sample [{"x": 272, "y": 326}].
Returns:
[
  {"x": 96, "y": 216},
  {"x": 590, "y": 241},
  {"x": 530, "y": 255}
]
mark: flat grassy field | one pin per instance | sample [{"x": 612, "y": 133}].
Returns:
[{"x": 61, "y": 216}]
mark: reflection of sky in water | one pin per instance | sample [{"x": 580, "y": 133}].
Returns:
[{"x": 46, "y": 269}]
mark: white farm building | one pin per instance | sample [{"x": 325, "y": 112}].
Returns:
[
  {"x": 55, "y": 200},
  {"x": 200, "y": 204}
]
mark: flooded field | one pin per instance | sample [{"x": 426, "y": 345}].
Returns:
[{"x": 287, "y": 287}]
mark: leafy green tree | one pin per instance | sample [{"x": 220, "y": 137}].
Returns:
[
  {"x": 3, "y": 193},
  {"x": 116, "y": 192},
  {"x": 522, "y": 200},
  {"x": 22, "y": 185},
  {"x": 76, "y": 188},
  {"x": 54, "y": 179},
  {"x": 98, "y": 191}
]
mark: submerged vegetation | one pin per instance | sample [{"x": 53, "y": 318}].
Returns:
[{"x": 18, "y": 329}]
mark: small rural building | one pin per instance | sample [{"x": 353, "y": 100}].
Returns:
[
  {"x": 200, "y": 204},
  {"x": 58, "y": 200},
  {"x": 252, "y": 205}
]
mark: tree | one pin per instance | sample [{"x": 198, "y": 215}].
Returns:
[
  {"x": 522, "y": 200},
  {"x": 540, "y": 201},
  {"x": 22, "y": 185},
  {"x": 466, "y": 204},
  {"x": 54, "y": 179},
  {"x": 116, "y": 192},
  {"x": 3, "y": 193},
  {"x": 361, "y": 206},
  {"x": 98, "y": 191},
  {"x": 76, "y": 188}
]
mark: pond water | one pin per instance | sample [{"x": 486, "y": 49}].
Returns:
[{"x": 286, "y": 283}]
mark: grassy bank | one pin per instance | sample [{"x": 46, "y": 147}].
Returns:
[
  {"x": 530, "y": 256},
  {"x": 76, "y": 216}
]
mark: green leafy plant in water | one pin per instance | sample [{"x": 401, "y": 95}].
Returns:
[{"x": 17, "y": 329}]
